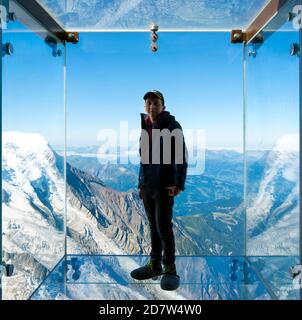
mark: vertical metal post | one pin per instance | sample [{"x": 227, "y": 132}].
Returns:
[
  {"x": 244, "y": 149},
  {"x": 65, "y": 172},
  {"x": 4, "y": 4},
  {"x": 300, "y": 149},
  {"x": 1, "y": 152}
]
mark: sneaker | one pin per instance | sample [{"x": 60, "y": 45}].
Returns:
[
  {"x": 152, "y": 269},
  {"x": 170, "y": 279}
]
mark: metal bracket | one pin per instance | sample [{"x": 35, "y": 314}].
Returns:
[
  {"x": 75, "y": 265},
  {"x": 238, "y": 36},
  {"x": 71, "y": 37},
  {"x": 40, "y": 15},
  {"x": 264, "y": 17},
  {"x": 296, "y": 271},
  {"x": 6, "y": 270},
  {"x": 296, "y": 274},
  {"x": 52, "y": 42},
  {"x": 241, "y": 267},
  {"x": 294, "y": 49},
  {"x": 234, "y": 268},
  {"x": 252, "y": 53},
  {"x": 7, "y": 49}
]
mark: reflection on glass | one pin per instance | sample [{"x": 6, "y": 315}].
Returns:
[
  {"x": 32, "y": 168},
  {"x": 272, "y": 145},
  {"x": 274, "y": 272},
  {"x": 202, "y": 278},
  {"x": 184, "y": 15},
  {"x": 104, "y": 212},
  {"x": 109, "y": 74},
  {"x": 107, "y": 277}
]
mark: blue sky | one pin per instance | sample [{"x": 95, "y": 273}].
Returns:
[
  {"x": 110, "y": 72},
  {"x": 200, "y": 75}
]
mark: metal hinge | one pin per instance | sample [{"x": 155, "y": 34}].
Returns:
[
  {"x": 6, "y": 269},
  {"x": 71, "y": 37},
  {"x": 239, "y": 36},
  {"x": 52, "y": 42}
]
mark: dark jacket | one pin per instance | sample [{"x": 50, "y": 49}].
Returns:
[{"x": 162, "y": 175}]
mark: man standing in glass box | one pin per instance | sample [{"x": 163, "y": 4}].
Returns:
[{"x": 162, "y": 175}]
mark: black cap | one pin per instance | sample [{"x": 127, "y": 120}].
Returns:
[{"x": 156, "y": 94}]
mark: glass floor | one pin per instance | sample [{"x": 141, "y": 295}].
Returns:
[{"x": 107, "y": 277}]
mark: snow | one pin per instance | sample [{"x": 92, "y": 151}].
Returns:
[
  {"x": 288, "y": 143},
  {"x": 28, "y": 157},
  {"x": 281, "y": 237}
]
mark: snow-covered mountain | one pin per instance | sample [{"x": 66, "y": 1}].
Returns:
[
  {"x": 203, "y": 14},
  {"x": 32, "y": 210},
  {"x": 220, "y": 165},
  {"x": 273, "y": 200},
  {"x": 99, "y": 220},
  {"x": 210, "y": 209},
  {"x": 202, "y": 278}
]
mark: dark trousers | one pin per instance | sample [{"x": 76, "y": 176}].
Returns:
[{"x": 159, "y": 209}]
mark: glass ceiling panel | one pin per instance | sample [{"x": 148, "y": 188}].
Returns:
[{"x": 102, "y": 15}]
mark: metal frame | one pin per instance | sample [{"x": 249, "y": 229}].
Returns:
[
  {"x": 5, "y": 4},
  {"x": 1, "y": 159},
  {"x": 237, "y": 36},
  {"x": 38, "y": 20},
  {"x": 262, "y": 19},
  {"x": 272, "y": 17},
  {"x": 265, "y": 16},
  {"x": 300, "y": 147},
  {"x": 46, "y": 21}
]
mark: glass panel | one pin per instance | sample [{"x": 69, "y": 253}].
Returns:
[
  {"x": 272, "y": 140},
  {"x": 107, "y": 277},
  {"x": 108, "y": 75},
  {"x": 33, "y": 195},
  {"x": 202, "y": 278},
  {"x": 274, "y": 272},
  {"x": 219, "y": 254},
  {"x": 169, "y": 15}
]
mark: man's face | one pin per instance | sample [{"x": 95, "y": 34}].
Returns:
[{"x": 153, "y": 107}]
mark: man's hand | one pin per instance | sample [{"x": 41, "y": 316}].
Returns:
[{"x": 173, "y": 190}]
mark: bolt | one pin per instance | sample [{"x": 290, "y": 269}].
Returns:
[
  {"x": 252, "y": 53},
  {"x": 11, "y": 16},
  {"x": 237, "y": 36},
  {"x": 8, "y": 49},
  {"x": 154, "y": 27},
  {"x": 294, "y": 49},
  {"x": 154, "y": 36},
  {"x": 154, "y": 47},
  {"x": 291, "y": 16}
]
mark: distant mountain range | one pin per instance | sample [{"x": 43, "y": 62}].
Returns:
[
  {"x": 100, "y": 220},
  {"x": 272, "y": 215},
  {"x": 203, "y": 14},
  {"x": 211, "y": 206},
  {"x": 106, "y": 216}
]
